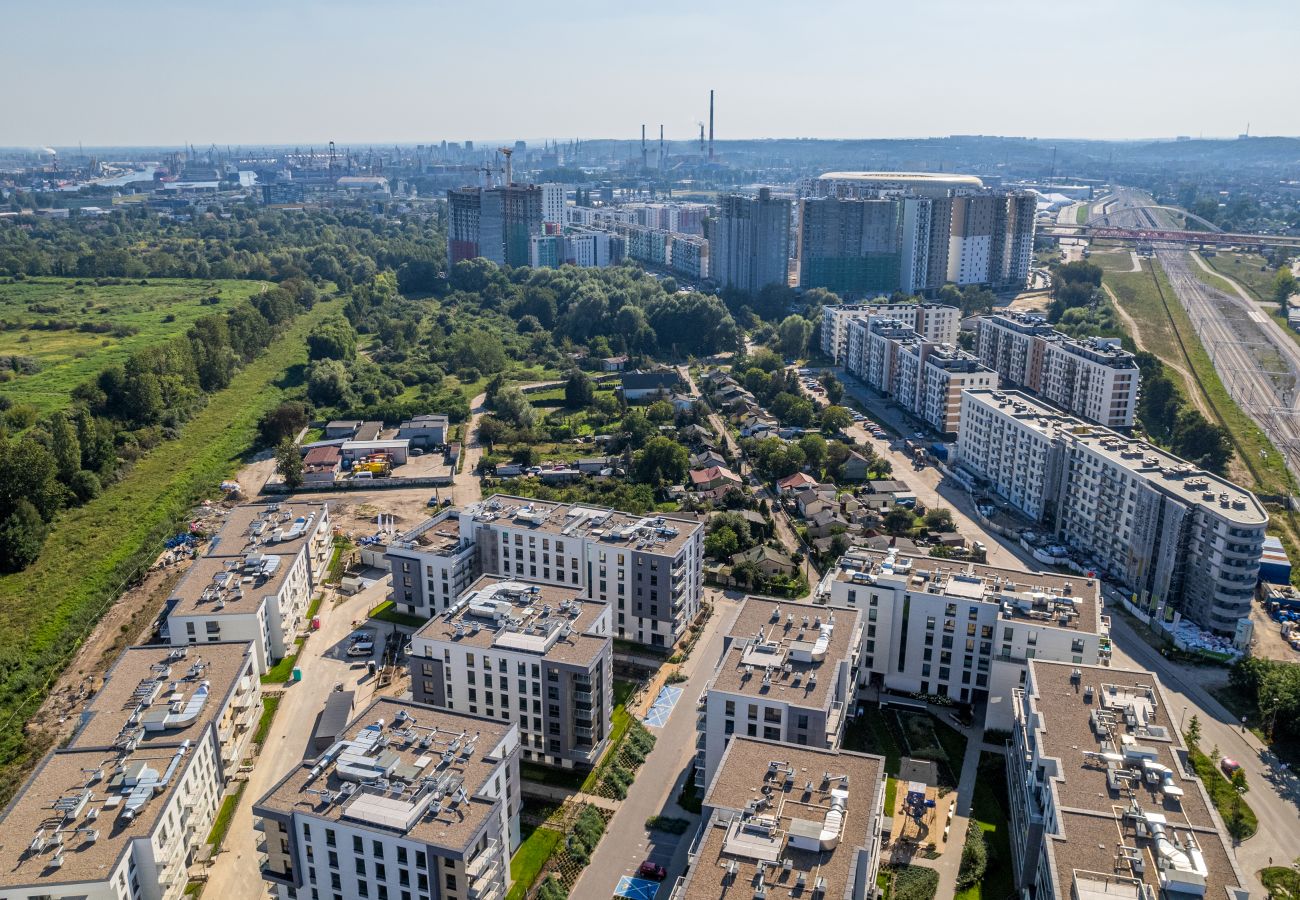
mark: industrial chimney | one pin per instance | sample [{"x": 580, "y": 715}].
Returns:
[{"x": 710, "y": 125}]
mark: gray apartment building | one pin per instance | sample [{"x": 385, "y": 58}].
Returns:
[{"x": 750, "y": 247}]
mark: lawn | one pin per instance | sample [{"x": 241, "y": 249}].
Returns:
[
  {"x": 529, "y": 859},
  {"x": 269, "y": 706},
  {"x": 1281, "y": 882},
  {"x": 225, "y": 814},
  {"x": 385, "y": 612},
  {"x": 907, "y": 882},
  {"x": 1245, "y": 269},
  {"x": 990, "y": 807},
  {"x": 1224, "y": 796},
  {"x": 1082, "y": 213},
  {"x": 124, "y": 318},
  {"x": 869, "y": 733},
  {"x": 95, "y": 550},
  {"x": 281, "y": 671}
]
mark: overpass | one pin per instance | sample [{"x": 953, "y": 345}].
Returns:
[{"x": 1154, "y": 235}]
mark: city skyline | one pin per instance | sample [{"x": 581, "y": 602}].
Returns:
[{"x": 293, "y": 74}]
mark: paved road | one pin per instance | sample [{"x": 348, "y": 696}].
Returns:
[
  {"x": 234, "y": 873},
  {"x": 627, "y": 842}
]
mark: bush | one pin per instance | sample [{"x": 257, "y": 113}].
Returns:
[
  {"x": 974, "y": 858},
  {"x": 912, "y": 882},
  {"x": 670, "y": 824},
  {"x": 551, "y": 889}
]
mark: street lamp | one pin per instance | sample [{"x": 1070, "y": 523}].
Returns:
[{"x": 1181, "y": 720}]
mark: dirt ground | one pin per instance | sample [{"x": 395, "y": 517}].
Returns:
[{"x": 1268, "y": 641}]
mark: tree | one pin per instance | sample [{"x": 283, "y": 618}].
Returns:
[
  {"x": 660, "y": 412},
  {"x": 974, "y": 858},
  {"x": 22, "y": 533},
  {"x": 834, "y": 388},
  {"x": 578, "y": 390},
  {"x": 661, "y": 461},
  {"x": 721, "y": 543},
  {"x": 492, "y": 431},
  {"x": 939, "y": 519},
  {"x": 1284, "y": 284},
  {"x": 899, "y": 520},
  {"x": 1193, "y": 733},
  {"x": 65, "y": 446},
  {"x": 835, "y": 419},
  {"x": 282, "y": 421},
  {"x": 814, "y": 449},
  {"x": 793, "y": 334},
  {"x": 332, "y": 339},
  {"x": 513, "y": 407},
  {"x": 288, "y": 462},
  {"x": 328, "y": 383}
]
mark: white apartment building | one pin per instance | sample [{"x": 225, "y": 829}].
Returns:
[
  {"x": 553, "y": 204},
  {"x": 122, "y": 812},
  {"x": 934, "y": 322},
  {"x": 285, "y": 528},
  {"x": 417, "y": 804},
  {"x": 788, "y": 823},
  {"x": 786, "y": 674},
  {"x": 963, "y": 630},
  {"x": 1102, "y": 801},
  {"x": 649, "y": 569},
  {"x": 1175, "y": 535},
  {"x": 1094, "y": 377},
  {"x": 924, "y": 378},
  {"x": 539, "y": 655}
]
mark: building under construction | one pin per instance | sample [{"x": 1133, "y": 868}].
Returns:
[{"x": 495, "y": 223}]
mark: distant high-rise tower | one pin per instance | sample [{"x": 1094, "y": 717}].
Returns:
[
  {"x": 751, "y": 245},
  {"x": 495, "y": 223}
]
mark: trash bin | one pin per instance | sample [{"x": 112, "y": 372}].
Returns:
[{"x": 297, "y": 675}]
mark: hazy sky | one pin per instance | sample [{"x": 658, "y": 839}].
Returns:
[{"x": 382, "y": 71}]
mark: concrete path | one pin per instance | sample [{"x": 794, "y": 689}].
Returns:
[
  {"x": 627, "y": 842},
  {"x": 558, "y": 794}
]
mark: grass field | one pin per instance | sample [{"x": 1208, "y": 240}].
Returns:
[
  {"x": 1244, "y": 268},
  {"x": 94, "y": 551},
  {"x": 528, "y": 860},
  {"x": 990, "y": 811},
  {"x": 1113, "y": 261},
  {"x": 1082, "y": 213},
  {"x": 137, "y": 315},
  {"x": 1224, "y": 796}
]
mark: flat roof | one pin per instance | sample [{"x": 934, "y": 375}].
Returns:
[
  {"x": 555, "y": 623},
  {"x": 929, "y": 179},
  {"x": 438, "y": 534},
  {"x": 654, "y": 533},
  {"x": 774, "y": 804},
  {"x": 283, "y": 528},
  {"x": 229, "y": 586},
  {"x": 1159, "y": 468},
  {"x": 436, "y": 763},
  {"x": 1050, "y": 599},
  {"x": 1104, "y": 710},
  {"x": 171, "y": 693},
  {"x": 809, "y": 639}
]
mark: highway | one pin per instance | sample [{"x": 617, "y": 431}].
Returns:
[{"x": 1256, "y": 359}]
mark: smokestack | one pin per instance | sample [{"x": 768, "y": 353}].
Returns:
[
  {"x": 643, "y": 149},
  {"x": 710, "y": 124},
  {"x": 661, "y": 146}
]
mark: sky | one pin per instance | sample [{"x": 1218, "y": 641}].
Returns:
[{"x": 257, "y": 72}]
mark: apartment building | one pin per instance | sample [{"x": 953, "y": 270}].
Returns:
[
  {"x": 258, "y": 597},
  {"x": 1173, "y": 534},
  {"x": 851, "y": 247},
  {"x": 297, "y": 528},
  {"x": 750, "y": 247},
  {"x": 963, "y": 630},
  {"x": 1102, "y": 803},
  {"x": 586, "y": 248},
  {"x": 553, "y": 203},
  {"x": 537, "y": 654},
  {"x": 788, "y": 823},
  {"x": 786, "y": 674},
  {"x": 495, "y": 223},
  {"x": 1094, "y": 377},
  {"x": 935, "y": 322},
  {"x": 416, "y": 804},
  {"x": 432, "y": 565},
  {"x": 121, "y": 812},
  {"x": 649, "y": 569},
  {"x": 924, "y": 378}
]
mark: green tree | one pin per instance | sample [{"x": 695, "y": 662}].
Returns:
[
  {"x": 899, "y": 521},
  {"x": 22, "y": 533},
  {"x": 288, "y": 462},
  {"x": 814, "y": 449},
  {"x": 834, "y": 388},
  {"x": 333, "y": 338},
  {"x": 1284, "y": 284},
  {"x": 282, "y": 421},
  {"x": 661, "y": 461},
  {"x": 65, "y": 446},
  {"x": 492, "y": 431},
  {"x": 1193, "y": 733},
  {"x": 660, "y": 412},
  {"x": 835, "y": 419},
  {"x": 512, "y": 406},
  {"x": 578, "y": 390},
  {"x": 721, "y": 543},
  {"x": 939, "y": 519},
  {"x": 793, "y": 334}
]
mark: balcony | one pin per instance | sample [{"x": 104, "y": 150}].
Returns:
[
  {"x": 583, "y": 697},
  {"x": 487, "y": 860}
]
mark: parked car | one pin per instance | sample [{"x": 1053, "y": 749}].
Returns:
[
  {"x": 652, "y": 870},
  {"x": 361, "y": 648},
  {"x": 1229, "y": 766}
]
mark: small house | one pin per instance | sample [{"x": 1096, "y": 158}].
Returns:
[
  {"x": 342, "y": 428},
  {"x": 321, "y": 465}
]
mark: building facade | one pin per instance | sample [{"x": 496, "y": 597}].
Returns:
[
  {"x": 1102, "y": 802},
  {"x": 786, "y": 675},
  {"x": 538, "y": 654},
  {"x": 495, "y": 223},
  {"x": 751, "y": 248},
  {"x": 1094, "y": 377},
  {"x": 416, "y": 803},
  {"x": 1175, "y": 535},
  {"x": 934, "y": 322}
]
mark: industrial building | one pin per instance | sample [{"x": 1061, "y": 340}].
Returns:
[
  {"x": 786, "y": 674},
  {"x": 415, "y": 802},
  {"x": 788, "y": 823},
  {"x": 1175, "y": 535},
  {"x": 1102, "y": 801},
  {"x": 750, "y": 247},
  {"x": 124, "y": 810},
  {"x": 963, "y": 630},
  {"x": 1094, "y": 378},
  {"x": 539, "y": 654},
  {"x": 649, "y": 569}
]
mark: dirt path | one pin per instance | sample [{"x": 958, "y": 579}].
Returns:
[{"x": 1189, "y": 383}]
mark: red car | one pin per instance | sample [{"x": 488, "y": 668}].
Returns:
[{"x": 652, "y": 870}]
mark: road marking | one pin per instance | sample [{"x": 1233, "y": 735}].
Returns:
[
  {"x": 662, "y": 708},
  {"x": 636, "y": 888}
]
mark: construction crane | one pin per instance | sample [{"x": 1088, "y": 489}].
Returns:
[{"x": 506, "y": 152}]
